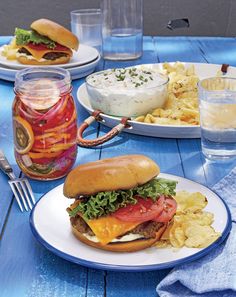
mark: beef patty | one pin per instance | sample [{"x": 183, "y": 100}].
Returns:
[
  {"x": 48, "y": 56},
  {"x": 146, "y": 229}
]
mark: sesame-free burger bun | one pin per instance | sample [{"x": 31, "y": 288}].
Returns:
[
  {"x": 118, "y": 173},
  {"x": 24, "y": 60},
  {"x": 128, "y": 246},
  {"x": 56, "y": 33}
]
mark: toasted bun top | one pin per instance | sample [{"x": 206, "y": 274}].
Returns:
[
  {"x": 118, "y": 173},
  {"x": 56, "y": 32}
]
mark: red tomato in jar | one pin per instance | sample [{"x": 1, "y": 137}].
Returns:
[
  {"x": 43, "y": 158},
  {"x": 61, "y": 113}
]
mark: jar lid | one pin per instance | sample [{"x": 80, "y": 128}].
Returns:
[{"x": 41, "y": 87}]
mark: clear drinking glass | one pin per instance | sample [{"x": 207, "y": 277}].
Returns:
[
  {"x": 122, "y": 29},
  {"x": 86, "y": 25},
  {"x": 218, "y": 117}
]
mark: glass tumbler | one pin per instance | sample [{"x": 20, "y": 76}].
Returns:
[
  {"x": 44, "y": 122},
  {"x": 86, "y": 25},
  {"x": 218, "y": 117},
  {"x": 122, "y": 29}
]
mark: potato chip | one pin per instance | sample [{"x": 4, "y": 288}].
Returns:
[
  {"x": 10, "y": 50},
  {"x": 201, "y": 218},
  {"x": 162, "y": 244},
  {"x": 140, "y": 119},
  {"x": 181, "y": 107},
  {"x": 190, "y": 202},
  {"x": 191, "y": 226},
  {"x": 177, "y": 236},
  {"x": 199, "y": 236},
  {"x": 149, "y": 118}
]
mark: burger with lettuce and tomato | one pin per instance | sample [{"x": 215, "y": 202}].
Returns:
[
  {"x": 120, "y": 203},
  {"x": 47, "y": 43}
]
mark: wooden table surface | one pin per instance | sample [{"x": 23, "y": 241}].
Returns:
[{"x": 26, "y": 268}]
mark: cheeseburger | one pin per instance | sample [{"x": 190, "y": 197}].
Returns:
[
  {"x": 48, "y": 43},
  {"x": 120, "y": 205}
]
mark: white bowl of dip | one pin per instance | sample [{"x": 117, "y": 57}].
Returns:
[{"x": 128, "y": 92}]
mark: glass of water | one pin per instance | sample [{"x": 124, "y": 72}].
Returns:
[
  {"x": 122, "y": 29},
  {"x": 217, "y": 97},
  {"x": 86, "y": 25}
]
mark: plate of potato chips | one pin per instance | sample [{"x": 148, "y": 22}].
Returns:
[
  {"x": 179, "y": 117},
  {"x": 201, "y": 223}
]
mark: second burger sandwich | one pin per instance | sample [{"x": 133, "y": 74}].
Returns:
[
  {"x": 48, "y": 43},
  {"x": 120, "y": 205}
]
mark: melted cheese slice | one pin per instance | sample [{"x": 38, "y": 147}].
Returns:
[
  {"x": 108, "y": 228},
  {"x": 38, "y": 54}
]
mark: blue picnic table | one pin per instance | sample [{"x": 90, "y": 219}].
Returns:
[{"x": 28, "y": 269}]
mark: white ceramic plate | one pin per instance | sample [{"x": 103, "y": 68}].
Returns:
[
  {"x": 75, "y": 72},
  {"x": 50, "y": 225},
  {"x": 166, "y": 131},
  {"x": 85, "y": 54}
]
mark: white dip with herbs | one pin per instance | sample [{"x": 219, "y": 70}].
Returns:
[{"x": 127, "y": 92}]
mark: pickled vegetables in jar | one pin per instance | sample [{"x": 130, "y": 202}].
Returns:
[{"x": 44, "y": 122}]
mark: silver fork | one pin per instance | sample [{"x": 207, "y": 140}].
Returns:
[{"x": 20, "y": 186}]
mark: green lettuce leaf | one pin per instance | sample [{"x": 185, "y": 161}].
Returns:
[
  {"x": 23, "y": 37},
  {"x": 105, "y": 203}
]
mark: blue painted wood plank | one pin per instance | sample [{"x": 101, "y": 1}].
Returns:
[
  {"x": 218, "y": 50},
  {"x": 191, "y": 159},
  {"x": 134, "y": 284},
  {"x": 196, "y": 167},
  {"x": 5, "y": 39},
  {"x": 210, "y": 50},
  {"x": 44, "y": 280},
  {"x": 171, "y": 49},
  {"x": 165, "y": 153},
  {"x": 96, "y": 283},
  {"x": 185, "y": 49},
  {"x": 32, "y": 270},
  {"x": 95, "y": 279},
  {"x": 28, "y": 269},
  {"x": 6, "y": 145}
]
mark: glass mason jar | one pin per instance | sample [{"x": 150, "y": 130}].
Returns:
[{"x": 44, "y": 122}]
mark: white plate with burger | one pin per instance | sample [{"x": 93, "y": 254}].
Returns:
[
  {"x": 113, "y": 229},
  {"x": 75, "y": 72},
  {"x": 47, "y": 43}
]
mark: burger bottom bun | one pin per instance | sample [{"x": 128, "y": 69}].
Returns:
[
  {"x": 128, "y": 246},
  {"x": 26, "y": 61}
]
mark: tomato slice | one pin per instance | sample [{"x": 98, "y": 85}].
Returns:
[
  {"x": 42, "y": 47},
  {"x": 169, "y": 210},
  {"x": 144, "y": 210}
]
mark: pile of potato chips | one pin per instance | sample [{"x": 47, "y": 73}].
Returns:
[
  {"x": 191, "y": 226},
  {"x": 181, "y": 107},
  {"x": 10, "y": 50}
]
